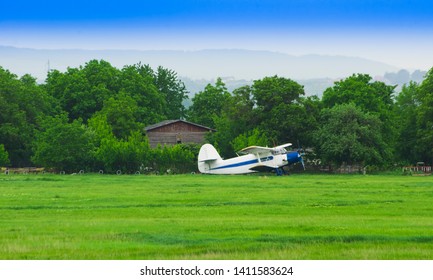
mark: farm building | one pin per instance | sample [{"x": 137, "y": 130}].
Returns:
[{"x": 173, "y": 132}]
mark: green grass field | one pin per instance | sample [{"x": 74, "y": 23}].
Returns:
[{"x": 216, "y": 217}]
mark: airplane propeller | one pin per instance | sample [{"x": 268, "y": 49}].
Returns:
[
  {"x": 302, "y": 162},
  {"x": 301, "y": 153}
]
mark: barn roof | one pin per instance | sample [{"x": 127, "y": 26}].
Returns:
[{"x": 168, "y": 122}]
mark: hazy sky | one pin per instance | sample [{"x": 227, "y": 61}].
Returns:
[{"x": 397, "y": 32}]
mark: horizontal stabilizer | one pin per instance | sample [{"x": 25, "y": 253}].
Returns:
[{"x": 207, "y": 160}]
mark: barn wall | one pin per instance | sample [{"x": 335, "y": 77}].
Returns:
[
  {"x": 171, "y": 138},
  {"x": 172, "y": 133}
]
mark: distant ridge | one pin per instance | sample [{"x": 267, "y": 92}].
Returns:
[{"x": 203, "y": 64}]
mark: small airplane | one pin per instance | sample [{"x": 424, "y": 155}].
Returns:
[{"x": 252, "y": 159}]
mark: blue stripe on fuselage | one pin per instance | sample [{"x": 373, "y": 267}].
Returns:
[{"x": 243, "y": 163}]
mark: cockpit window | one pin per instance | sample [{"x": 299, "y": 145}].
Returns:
[{"x": 279, "y": 151}]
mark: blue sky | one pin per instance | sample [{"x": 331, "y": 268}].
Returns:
[{"x": 398, "y": 32}]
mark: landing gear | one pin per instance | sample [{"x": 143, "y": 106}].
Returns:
[{"x": 279, "y": 171}]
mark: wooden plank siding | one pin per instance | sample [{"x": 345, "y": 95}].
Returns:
[{"x": 172, "y": 132}]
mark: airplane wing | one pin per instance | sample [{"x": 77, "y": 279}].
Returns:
[
  {"x": 263, "y": 150},
  {"x": 283, "y": 146},
  {"x": 263, "y": 168},
  {"x": 255, "y": 150}
]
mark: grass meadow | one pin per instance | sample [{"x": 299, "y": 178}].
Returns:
[{"x": 303, "y": 217}]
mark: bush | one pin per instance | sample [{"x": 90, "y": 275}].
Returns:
[
  {"x": 4, "y": 156},
  {"x": 181, "y": 158}
]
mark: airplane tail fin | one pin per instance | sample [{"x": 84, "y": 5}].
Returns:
[{"x": 207, "y": 154}]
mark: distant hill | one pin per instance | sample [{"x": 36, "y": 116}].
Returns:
[
  {"x": 204, "y": 64},
  {"x": 198, "y": 68}
]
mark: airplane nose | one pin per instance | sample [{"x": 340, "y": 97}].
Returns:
[{"x": 294, "y": 157}]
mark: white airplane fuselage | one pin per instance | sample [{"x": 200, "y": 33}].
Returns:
[
  {"x": 256, "y": 159},
  {"x": 241, "y": 164}
]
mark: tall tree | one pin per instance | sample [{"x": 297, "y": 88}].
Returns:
[
  {"x": 174, "y": 92},
  {"x": 241, "y": 110},
  {"x": 208, "y": 104},
  {"x": 425, "y": 118},
  {"x": 82, "y": 91},
  {"x": 359, "y": 89},
  {"x": 272, "y": 110},
  {"x": 237, "y": 117},
  {"x": 271, "y": 92},
  {"x": 22, "y": 102},
  {"x": 406, "y": 111},
  {"x": 122, "y": 113},
  {"x": 139, "y": 84},
  {"x": 349, "y": 135},
  {"x": 282, "y": 116},
  {"x": 62, "y": 145},
  {"x": 370, "y": 96}
]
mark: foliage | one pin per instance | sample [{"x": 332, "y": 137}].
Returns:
[
  {"x": 208, "y": 104},
  {"x": 22, "y": 102},
  {"x": 250, "y": 138},
  {"x": 81, "y": 91},
  {"x": 121, "y": 113},
  {"x": 375, "y": 98},
  {"x": 4, "y": 156},
  {"x": 309, "y": 123},
  {"x": 348, "y": 135},
  {"x": 174, "y": 92},
  {"x": 274, "y": 107},
  {"x": 105, "y": 110},
  {"x": 241, "y": 110},
  {"x": 223, "y": 135},
  {"x": 140, "y": 86},
  {"x": 282, "y": 116},
  {"x": 170, "y": 87},
  {"x": 237, "y": 117},
  {"x": 179, "y": 158},
  {"x": 133, "y": 153},
  {"x": 128, "y": 155},
  {"x": 62, "y": 145},
  {"x": 360, "y": 90},
  {"x": 406, "y": 120},
  {"x": 116, "y": 104},
  {"x": 425, "y": 118}
]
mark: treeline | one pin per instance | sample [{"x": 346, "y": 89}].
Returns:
[
  {"x": 92, "y": 118},
  {"x": 357, "y": 121}
]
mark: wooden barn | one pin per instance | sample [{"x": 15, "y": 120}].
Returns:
[{"x": 173, "y": 132}]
